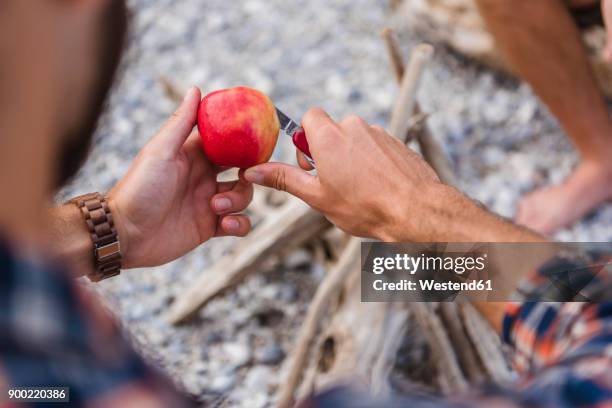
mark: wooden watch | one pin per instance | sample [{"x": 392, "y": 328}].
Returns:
[{"x": 106, "y": 246}]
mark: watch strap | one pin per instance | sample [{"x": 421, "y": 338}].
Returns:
[{"x": 107, "y": 248}]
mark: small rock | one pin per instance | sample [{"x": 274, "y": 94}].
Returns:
[
  {"x": 288, "y": 293},
  {"x": 222, "y": 383},
  {"x": 254, "y": 400},
  {"x": 298, "y": 259},
  {"x": 271, "y": 354},
  {"x": 268, "y": 316},
  {"x": 193, "y": 384},
  {"x": 213, "y": 337},
  {"x": 258, "y": 378},
  {"x": 238, "y": 354}
]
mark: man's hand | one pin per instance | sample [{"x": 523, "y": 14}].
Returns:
[
  {"x": 370, "y": 184},
  {"x": 170, "y": 201}
]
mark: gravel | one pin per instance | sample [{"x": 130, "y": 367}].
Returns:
[{"x": 303, "y": 53}]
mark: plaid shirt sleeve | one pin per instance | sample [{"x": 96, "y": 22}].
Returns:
[
  {"x": 54, "y": 334},
  {"x": 561, "y": 333},
  {"x": 560, "y": 340}
]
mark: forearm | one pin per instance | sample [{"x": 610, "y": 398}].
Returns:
[
  {"x": 454, "y": 217},
  {"x": 69, "y": 238},
  {"x": 451, "y": 216}
]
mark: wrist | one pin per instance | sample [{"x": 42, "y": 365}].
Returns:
[
  {"x": 69, "y": 238},
  {"x": 121, "y": 227}
]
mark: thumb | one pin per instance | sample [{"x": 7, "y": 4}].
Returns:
[
  {"x": 178, "y": 127},
  {"x": 287, "y": 178}
]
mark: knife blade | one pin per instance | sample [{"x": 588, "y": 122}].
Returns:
[{"x": 296, "y": 133}]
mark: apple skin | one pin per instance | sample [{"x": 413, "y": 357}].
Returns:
[{"x": 238, "y": 127}]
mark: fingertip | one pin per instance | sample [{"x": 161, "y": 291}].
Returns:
[
  {"x": 221, "y": 204},
  {"x": 242, "y": 179},
  {"x": 302, "y": 161},
  {"x": 254, "y": 175},
  {"x": 315, "y": 116},
  {"x": 191, "y": 101},
  {"x": 235, "y": 225}
]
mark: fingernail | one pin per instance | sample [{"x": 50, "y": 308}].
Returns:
[
  {"x": 231, "y": 224},
  {"x": 222, "y": 204},
  {"x": 254, "y": 176},
  {"x": 190, "y": 92}
]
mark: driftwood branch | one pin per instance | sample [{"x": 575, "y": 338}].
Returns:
[
  {"x": 293, "y": 224},
  {"x": 406, "y": 101},
  {"x": 450, "y": 376},
  {"x": 395, "y": 55},
  {"x": 431, "y": 149},
  {"x": 170, "y": 89},
  {"x": 486, "y": 343},
  {"x": 329, "y": 288},
  {"x": 467, "y": 357}
]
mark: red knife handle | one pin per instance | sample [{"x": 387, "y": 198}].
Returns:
[{"x": 299, "y": 140}]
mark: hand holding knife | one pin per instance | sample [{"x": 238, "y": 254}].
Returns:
[{"x": 296, "y": 133}]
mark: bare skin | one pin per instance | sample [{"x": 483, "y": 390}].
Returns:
[
  {"x": 170, "y": 200},
  {"x": 384, "y": 190},
  {"x": 543, "y": 45},
  {"x": 168, "y": 203}
]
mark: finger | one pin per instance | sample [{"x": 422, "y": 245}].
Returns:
[
  {"x": 378, "y": 129},
  {"x": 302, "y": 161},
  {"x": 354, "y": 122},
  {"x": 193, "y": 146},
  {"x": 236, "y": 199},
  {"x": 233, "y": 225},
  {"x": 315, "y": 122},
  {"x": 178, "y": 127},
  {"x": 284, "y": 177}
]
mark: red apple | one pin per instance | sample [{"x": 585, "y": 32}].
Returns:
[{"x": 238, "y": 127}]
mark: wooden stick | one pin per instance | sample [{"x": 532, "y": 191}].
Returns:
[
  {"x": 434, "y": 154},
  {"x": 330, "y": 287},
  {"x": 294, "y": 223},
  {"x": 170, "y": 89},
  {"x": 395, "y": 55},
  {"x": 430, "y": 147},
  {"x": 486, "y": 342},
  {"x": 405, "y": 103},
  {"x": 466, "y": 355},
  {"x": 386, "y": 350},
  {"x": 450, "y": 374}
]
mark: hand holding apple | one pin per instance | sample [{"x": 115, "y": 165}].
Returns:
[
  {"x": 170, "y": 200},
  {"x": 238, "y": 127}
]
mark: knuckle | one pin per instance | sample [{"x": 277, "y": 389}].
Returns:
[
  {"x": 314, "y": 111},
  {"x": 311, "y": 114},
  {"x": 279, "y": 181},
  {"x": 354, "y": 121},
  {"x": 330, "y": 129},
  {"x": 175, "y": 116}
]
